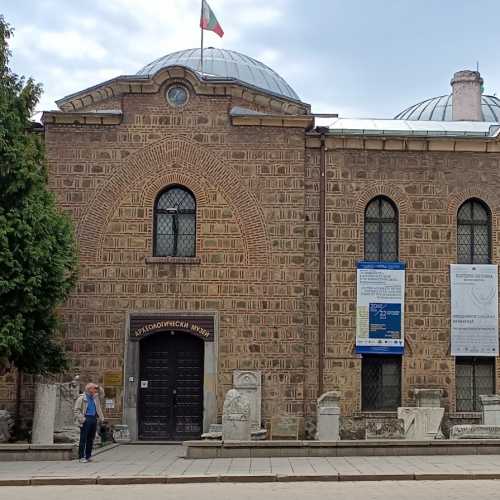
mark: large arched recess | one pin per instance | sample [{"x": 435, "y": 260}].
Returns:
[{"x": 158, "y": 157}]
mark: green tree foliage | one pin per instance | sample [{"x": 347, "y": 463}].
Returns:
[{"x": 37, "y": 249}]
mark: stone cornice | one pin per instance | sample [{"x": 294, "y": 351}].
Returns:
[
  {"x": 393, "y": 143},
  {"x": 81, "y": 118},
  {"x": 138, "y": 84},
  {"x": 293, "y": 121}
]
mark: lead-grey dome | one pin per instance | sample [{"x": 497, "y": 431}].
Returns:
[
  {"x": 226, "y": 64},
  {"x": 441, "y": 109}
]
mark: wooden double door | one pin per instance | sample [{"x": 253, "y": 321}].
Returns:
[{"x": 171, "y": 387}]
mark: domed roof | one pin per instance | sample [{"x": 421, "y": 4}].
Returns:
[
  {"x": 226, "y": 64},
  {"x": 441, "y": 109}
]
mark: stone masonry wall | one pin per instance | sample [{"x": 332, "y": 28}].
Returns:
[
  {"x": 428, "y": 189},
  {"x": 250, "y": 238}
]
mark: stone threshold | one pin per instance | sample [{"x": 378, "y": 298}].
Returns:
[
  {"x": 244, "y": 478},
  {"x": 288, "y": 448}
]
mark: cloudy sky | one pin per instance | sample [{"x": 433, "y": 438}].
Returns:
[{"x": 358, "y": 58}]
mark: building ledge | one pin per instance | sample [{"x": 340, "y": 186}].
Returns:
[
  {"x": 109, "y": 117},
  {"x": 173, "y": 260}
]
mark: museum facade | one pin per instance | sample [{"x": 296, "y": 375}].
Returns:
[{"x": 221, "y": 226}]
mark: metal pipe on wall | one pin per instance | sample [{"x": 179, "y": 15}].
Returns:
[{"x": 322, "y": 261}]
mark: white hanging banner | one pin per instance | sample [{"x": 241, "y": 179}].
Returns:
[{"x": 474, "y": 309}]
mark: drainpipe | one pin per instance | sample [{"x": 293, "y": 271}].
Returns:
[{"x": 322, "y": 260}]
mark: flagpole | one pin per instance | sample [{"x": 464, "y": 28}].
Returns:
[{"x": 201, "y": 27}]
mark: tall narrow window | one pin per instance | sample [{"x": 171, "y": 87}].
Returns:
[
  {"x": 474, "y": 377},
  {"x": 381, "y": 230},
  {"x": 381, "y": 383},
  {"x": 473, "y": 233},
  {"x": 175, "y": 223}
]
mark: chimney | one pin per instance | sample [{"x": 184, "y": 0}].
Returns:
[{"x": 467, "y": 87}]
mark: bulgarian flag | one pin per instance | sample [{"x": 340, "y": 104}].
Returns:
[{"x": 208, "y": 21}]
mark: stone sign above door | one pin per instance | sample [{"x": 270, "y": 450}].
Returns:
[{"x": 144, "y": 325}]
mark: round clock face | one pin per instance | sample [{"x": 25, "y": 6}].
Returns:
[{"x": 177, "y": 95}]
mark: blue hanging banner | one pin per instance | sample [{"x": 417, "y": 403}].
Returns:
[{"x": 380, "y": 307}]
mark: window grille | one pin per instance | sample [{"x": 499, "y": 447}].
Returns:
[
  {"x": 381, "y": 230},
  {"x": 175, "y": 223},
  {"x": 474, "y": 377},
  {"x": 381, "y": 382},
  {"x": 473, "y": 233}
]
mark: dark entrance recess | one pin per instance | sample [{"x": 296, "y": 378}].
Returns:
[{"x": 171, "y": 386}]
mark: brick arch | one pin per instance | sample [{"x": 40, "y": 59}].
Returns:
[
  {"x": 156, "y": 184},
  {"x": 394, "y": 193},
  {"x": 455, "y": 200},
  {"x": 379, "y": 189},
  {"x": 178, "y": 155}
]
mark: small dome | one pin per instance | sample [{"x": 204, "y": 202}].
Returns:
[
  {"x": 441, "y": 109},
  {"x": 226, "y": 64}
]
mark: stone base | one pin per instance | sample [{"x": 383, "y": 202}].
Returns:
[
  {"x": 288, "y": 448},
  {"x": 259, "y": 435},
  {"x": 67, "y": 435},
  {"x": 37, "y": 452},
  {"x": 475, "y": 432}
]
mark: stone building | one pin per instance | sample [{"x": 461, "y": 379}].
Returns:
[{"x": 219, "y": 224}]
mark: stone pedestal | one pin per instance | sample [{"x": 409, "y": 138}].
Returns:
[
  {"x": 45, "y": 414},
  {"x": 328, "y": 417},
  {"x": 236, "y": 417},
  {"x": 421, "y": 423},
  {"x": 428, "y": 398},
  {"x": 491, "y": 409}
]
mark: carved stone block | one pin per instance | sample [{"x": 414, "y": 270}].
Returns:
[
  {"x": 421, "y": 423},
  {"x": 249, "y": 385},
  {"x": 491, "y": 409}
]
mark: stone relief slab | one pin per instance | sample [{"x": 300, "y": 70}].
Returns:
[
  {"x": 384, "y": 428},
  {"x": 249, "y": 384},
  {"x": 236, "y": 417},
  {"x": 475, "y": 432}
]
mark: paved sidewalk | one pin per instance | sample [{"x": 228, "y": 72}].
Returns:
[{"x": 128, "y": 464}]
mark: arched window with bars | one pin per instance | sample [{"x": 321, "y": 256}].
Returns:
[
  {"x": 175, "y": 223},
  {"x": 474, "y": 233},
  {"x": 381, "y": 230}
]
